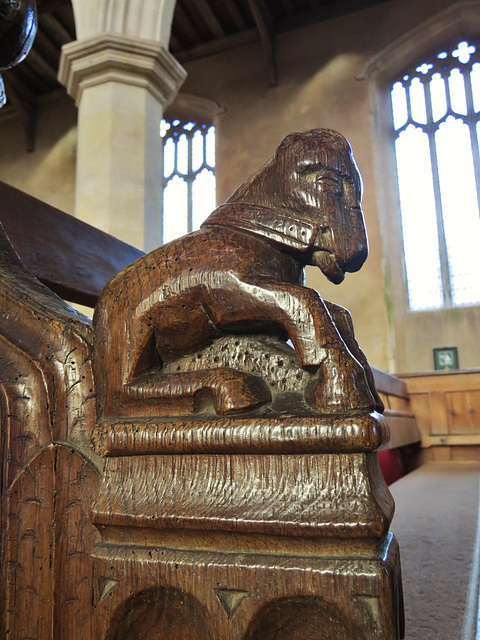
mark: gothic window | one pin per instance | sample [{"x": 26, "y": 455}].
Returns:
[
  {"x": 436, "y": 119},
  {"x": 189, "y": 176}
]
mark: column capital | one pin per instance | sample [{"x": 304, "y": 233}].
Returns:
[{"x": 112, "y": 57}]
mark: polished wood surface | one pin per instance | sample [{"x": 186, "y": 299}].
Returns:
[
  {"x": 201, "y": 462},
  {"x": 49, "y": 471},
  {"x": 447, "y": 407},
  {"x": 399, "y": 412},
  {"x": 243, "y": 273},
  {"x": 49, "y": 242},
  {"x": 241, "y": 495}
]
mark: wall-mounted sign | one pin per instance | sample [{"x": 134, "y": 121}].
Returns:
[{"x": 445, "y": 358}]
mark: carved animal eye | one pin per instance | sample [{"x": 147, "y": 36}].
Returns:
[{"x": 330, "y": 183}]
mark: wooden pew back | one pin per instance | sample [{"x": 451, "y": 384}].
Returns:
[{"x": 72, "y": 258}]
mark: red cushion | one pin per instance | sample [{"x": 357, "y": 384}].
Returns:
[{"x": 391, "y": 465}]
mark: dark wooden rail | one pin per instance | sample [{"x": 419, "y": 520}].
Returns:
[
  {"x": 72, "y": 258},
  {"x": 398, "y": 411}
]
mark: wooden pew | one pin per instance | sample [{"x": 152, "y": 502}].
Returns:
[
  {"x": 72, "y": 258},
  {"x": 398, "y": 409},
  {"x": 66, "y": 459},
  {"x": 75, "y": 260},
  {"x": 401, "y": 453},
  {"x": 439, "y": 592},
  {"x": 447, "y": 409},
  {"x": 50, "y": 469}
]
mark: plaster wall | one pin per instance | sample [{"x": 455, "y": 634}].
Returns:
[
  {"x": 318, "y": 68},
  {"x": 48, "y": 173}
]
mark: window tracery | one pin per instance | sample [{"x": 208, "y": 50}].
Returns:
[
  {"x": 189, "y": 175},
  {"x": 436, "y": 121}
]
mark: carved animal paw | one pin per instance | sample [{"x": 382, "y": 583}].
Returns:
[
  {"x": 340, "y": 387},
  {"x": 232, "y": 391}
]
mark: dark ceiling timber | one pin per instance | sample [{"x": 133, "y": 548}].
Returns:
[
  {"x": 195, "y": 35},
  {"x": 200, "y": 28}
]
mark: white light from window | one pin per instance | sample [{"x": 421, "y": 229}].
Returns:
[
  {"x": 417, "y": 100},
  {"x": 182, "y": 154},
  {"x": 203, "y": 197},
  {"x": 210, "y": 147},
  {"x": 460, "y": 209},
  {"x": 175, "y": 200},
  {"x": 439, "y": 97},
  {"x": 475, "y": 79},
  {"x": 168, "y": 157},
  {"x": 464, "y": 52},
  {"x": 438, "y": 167},
  {"x": 419, "y": 223},
  {"x": 189, "y": 163},
  {"x": 456, "y": 85},
  {"x": 197, "y": 151},
  {"x": 399, "y": 104}
]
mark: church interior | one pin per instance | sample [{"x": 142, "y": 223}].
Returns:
[{"x": 81, "y": 132}]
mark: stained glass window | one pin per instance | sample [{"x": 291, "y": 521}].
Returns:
[
  {"x": 436, "y": 119},
  {"x": 189, "y": 176}
]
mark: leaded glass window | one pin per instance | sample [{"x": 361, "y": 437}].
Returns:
[
  {"x": 189, "y": 176},
  {"x": 436, "y": 115}
]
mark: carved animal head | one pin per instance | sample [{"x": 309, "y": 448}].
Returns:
[{"x": 308, "y": 199}]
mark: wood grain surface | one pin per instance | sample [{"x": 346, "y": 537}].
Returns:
[
  {"x": 71, "y": 257},
  {"x": 241, "y": 496},
  {"x": 49, "y": 471},
  {"x": 202, "y": 462}
]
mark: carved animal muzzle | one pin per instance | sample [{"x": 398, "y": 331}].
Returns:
[{"x": 333, "y": 268}]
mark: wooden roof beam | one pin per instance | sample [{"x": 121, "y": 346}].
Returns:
[
  {"x": 289, "y": 6},
  {"x": 46, "y": 48},
  {"x": 40, "y": 65},
  {"x": 217, "y": 46},
  {"x": 266, "y": 37},
  {"x": 57, "y": 27},
  {"x": 210, "y": 18},
  {"x": 235, "y": 14},
  {"x": 174, "y": 44},
  {"x": 183, "y": 23},
  {"x": 322, "y": 12},
  {"x": 47, "y": 6}
]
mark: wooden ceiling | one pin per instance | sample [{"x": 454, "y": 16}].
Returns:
[
  {"x": 200, "y": 28},
  {"x": 34, "y": 80}
]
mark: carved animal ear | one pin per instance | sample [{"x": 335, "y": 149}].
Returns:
[{"x": 291, "y": 139}]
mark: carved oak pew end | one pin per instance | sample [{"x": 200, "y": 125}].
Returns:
[
  {"x": 233, "y": 490},
  {"x": 241, "y": 485}
]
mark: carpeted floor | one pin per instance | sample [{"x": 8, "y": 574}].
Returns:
[{"x": 436, "y": 524}]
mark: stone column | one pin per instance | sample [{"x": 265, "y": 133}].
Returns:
[{"x": 121, "y": 85}]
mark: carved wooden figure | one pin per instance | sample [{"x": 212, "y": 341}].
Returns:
[
  {"x": 241, "y": 497},
  {"x": 233, "y": 489},
  {"x": 49, "y": 471}
]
